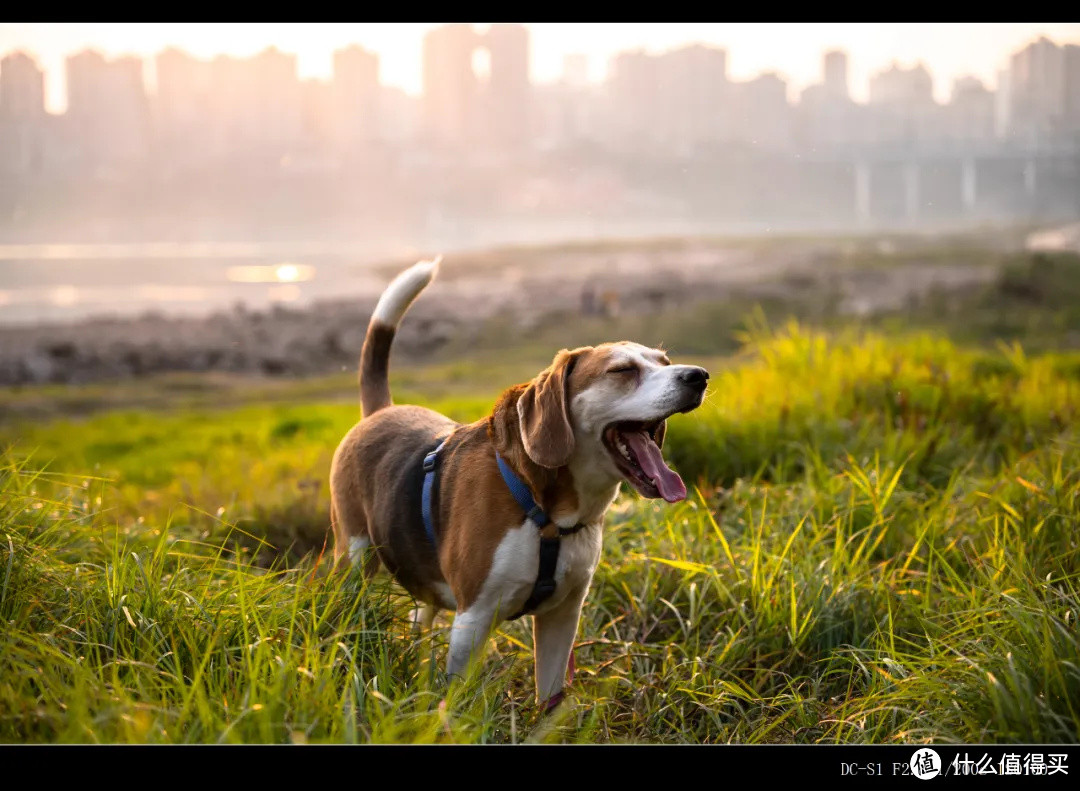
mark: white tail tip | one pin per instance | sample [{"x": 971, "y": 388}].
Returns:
[{"x": 403, "y": 289}]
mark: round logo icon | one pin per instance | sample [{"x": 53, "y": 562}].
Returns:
[{"x": 925, "y": 763}]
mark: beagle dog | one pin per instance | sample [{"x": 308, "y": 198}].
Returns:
[{"x": 469, "y": 543}]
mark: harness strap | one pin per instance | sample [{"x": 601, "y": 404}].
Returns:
[
  {"x": 549, "y": 546},
  {"x": 429, "y": 485},
  {"x": 521, "y": 493},
  {"x": 545, "y": 577},
  {"x": 525, "y": 499}
]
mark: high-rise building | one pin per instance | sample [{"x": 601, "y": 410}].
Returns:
[
  {"x": 1072, "y": 90},
  {"x": 232, "y": 116},
  {"x": 970, "y": 112},
  {"x": 1037, "y": 94},
  {"x": 762, "y": 112},
  {"x": 318, "y": 111},
  {"x": 1002, "y": 104},
  {"x": 450, "y": 85},
  {"x": 22, "y": 87},
  {"x": 399, "y": 115},
  {"x": 692, "y": 96},
  {"x": 182, "y": 107},
  {"x": 633, "y": 91},
  {"x": 356, "y": 98},
  {"x": 902, "y": 106},
  {"x": 107, "y": 106},
  {"x": 22, "y": 114},
  {"x": 568, "y": 111},
  {"x": 256, "y": 104},
  {"x": 834, "y": 65},
  {"x": 183, "y": 86},
  {"x": 826, "y": 115},
  {"x": 85, "y": 80},
  {"x": 899, "y": 86},
  {"x": 680, "y": 99},
  {"x": 278, "y": 97},
  {"x": 508, "y": 104},
  {"x": 460, "y": 107}
]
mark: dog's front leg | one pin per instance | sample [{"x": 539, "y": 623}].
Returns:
[
  {"x": 553, "y": 641},
  {"x": 469, "y": 632}
]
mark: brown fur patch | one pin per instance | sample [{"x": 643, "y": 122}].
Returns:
[
  {"x": 592, "y": 364},
  {"x": 545, "y": 413},
  {"x": 476, "y": 510}
]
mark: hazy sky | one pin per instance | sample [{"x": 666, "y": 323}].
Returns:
[{"x": 792, "y": 49}]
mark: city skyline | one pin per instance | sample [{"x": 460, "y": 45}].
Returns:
[
  {"x": 792, "y": 51},
  {"x": 479, "y": 97},
  {"x": 239, "y": 139}
]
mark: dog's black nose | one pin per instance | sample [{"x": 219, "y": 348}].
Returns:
[{"x": 694, "y": 377}]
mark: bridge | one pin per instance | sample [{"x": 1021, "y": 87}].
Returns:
[{"x": 972, "y": 182}]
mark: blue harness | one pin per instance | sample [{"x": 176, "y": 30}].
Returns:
[{"x": 549, "y": 547}]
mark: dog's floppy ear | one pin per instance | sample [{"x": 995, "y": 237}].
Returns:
[
  {"x": 659, "y": 433},
  {"x": 544, "y": 414}
]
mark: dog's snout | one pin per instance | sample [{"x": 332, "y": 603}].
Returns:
[{"x": 694, "y": 377}]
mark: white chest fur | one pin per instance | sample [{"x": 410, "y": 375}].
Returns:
[
  {"x": 516, "y": 563},
  {"x": 513, "y": 574}
]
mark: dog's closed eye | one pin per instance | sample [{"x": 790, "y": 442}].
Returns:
[{"x": 623, "y": 368}]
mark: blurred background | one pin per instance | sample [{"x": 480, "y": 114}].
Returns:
[{"x": 235, "y": 196}]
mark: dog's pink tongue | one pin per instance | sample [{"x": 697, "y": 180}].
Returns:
[{"x": 648, "y": 454}]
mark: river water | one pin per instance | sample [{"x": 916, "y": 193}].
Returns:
[{"x": 68, "y": 282}]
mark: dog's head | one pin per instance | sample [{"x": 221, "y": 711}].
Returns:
[{"x": 606, "y": 406}]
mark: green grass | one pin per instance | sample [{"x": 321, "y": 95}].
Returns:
[
  {"x": 881, "y": 546},
  {"x": 1035, "y": 298}
]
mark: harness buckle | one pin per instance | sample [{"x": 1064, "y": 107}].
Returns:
[
  {"x": 429, "y": 460},
  {"x": 536, "y": 513}
]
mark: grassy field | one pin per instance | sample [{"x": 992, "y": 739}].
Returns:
[{"x": 881, "y": 545}]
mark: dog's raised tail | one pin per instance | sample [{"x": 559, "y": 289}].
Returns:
[{"x": 375, "y": 356}]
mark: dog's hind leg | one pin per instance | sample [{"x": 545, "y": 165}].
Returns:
[
  {"x": 352, "y": 543},
  {"x": 362, "y": 554},
  {"x": 423, "y": 615}
]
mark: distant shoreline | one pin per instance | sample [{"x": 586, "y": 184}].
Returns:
[{"x": 525, "y": 284}]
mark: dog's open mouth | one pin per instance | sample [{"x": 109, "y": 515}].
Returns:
[{"x": 634, "y": 448}]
